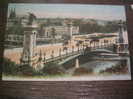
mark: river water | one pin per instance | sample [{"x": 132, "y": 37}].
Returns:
[{"x": 97, "y": 66}]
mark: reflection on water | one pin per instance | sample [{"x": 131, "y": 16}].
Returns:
[
  {"x": 97, "y": 66},
  {"x": 100, "y": 64}
]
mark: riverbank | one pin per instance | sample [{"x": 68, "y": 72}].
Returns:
[{"x": 14, "y": 54}]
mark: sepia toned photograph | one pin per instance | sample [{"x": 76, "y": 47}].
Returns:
[{"x": 66, "y": 42}]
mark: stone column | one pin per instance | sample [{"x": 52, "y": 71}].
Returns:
[
  {"x": 29, "y": 46},
  {"x": 77, "y": 63},
  {"x": 70, "y": 30}
]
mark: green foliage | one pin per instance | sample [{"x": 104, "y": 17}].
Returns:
[
  {"x": 53, "y": 68},
  {"x": 27, "y": 70},
  {"x": 77, "y": 22},
  {"x": 119, "y": 68},
  {"x": 16, "y": 28},
  {"x": 82, "y": 71},
  {"x": 109, "y": 27},
  {"x": 65, "y": 37},
  {"x": 9, "y": 67},
  {"x": 53, "y": 32}
]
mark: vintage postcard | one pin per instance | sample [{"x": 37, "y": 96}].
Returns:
[{"x": 66, "y": 42}]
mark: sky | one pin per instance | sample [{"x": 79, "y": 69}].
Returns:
[{"x": 102, "y": 12}]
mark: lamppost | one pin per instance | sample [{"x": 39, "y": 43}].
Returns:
[
  {"x": 121, "y": 40},
  {"x": 70, "y": 30},
  {"x": 121, "y": 29}
]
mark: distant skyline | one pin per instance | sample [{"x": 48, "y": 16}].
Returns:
[{"x": 101, "y": 12}]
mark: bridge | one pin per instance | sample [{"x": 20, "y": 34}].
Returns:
[{"x": 73, "y": 54}]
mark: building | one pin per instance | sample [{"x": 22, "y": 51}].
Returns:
[
  {"x": 14, "y": 40},
  {"x": 12, "y": 18},
  {"x": 59, "y": 30},
  {"x": 97, "y": 39}
]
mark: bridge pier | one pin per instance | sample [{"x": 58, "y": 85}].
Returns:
[{"x": 77, "y": 63}]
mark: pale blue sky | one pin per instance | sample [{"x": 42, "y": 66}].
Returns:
[{"x": 103, "y": 12}]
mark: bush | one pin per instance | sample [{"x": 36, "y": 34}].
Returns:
[
  {"x": 9, "y": 67},
  {"x": 53, "y": 69},
  {"x": 119, "y": 68},
  {"x": 82, "y": 71},
  {"x": 27, "y": 70}
]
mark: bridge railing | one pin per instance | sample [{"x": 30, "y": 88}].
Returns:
[
  {"x": 59, "y": 57},
  {"x": 71, "y": 53}
]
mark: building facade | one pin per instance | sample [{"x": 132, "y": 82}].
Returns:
[{"x": 60, "y": 30}]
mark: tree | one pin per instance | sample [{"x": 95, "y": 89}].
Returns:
[
  {"x": 89, "y": 27},
  {"x": 66, "y": 37},
  {"x": 95, "y": 41},
  {"x": 111, "y": 26},
  {"x": 79, "y": 43},
  {"x": 52, "y": 68},
  {"x": 93, "y": 26},
  {"x": 65, "y": 43},
  {"x": 52, "y": 54},
  {"x": 72, "y": 48},
  {"x": 41, "y": 30},
  {"x": 60, "y": 52},
  {"x": 53, "y": 32},
  {"x": 16, "y": 28},
  {"x": 77, "y": 22},
  {"x": 48, "y": 22},
  {"x": 9, "y": 67},
  {"x": 65, "y": 48}
]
